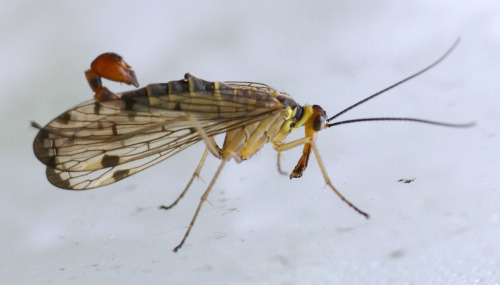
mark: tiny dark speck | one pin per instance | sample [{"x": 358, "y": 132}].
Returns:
[
  {"x": 407, "y": 181},
  {"x": 397, "y": 254}
]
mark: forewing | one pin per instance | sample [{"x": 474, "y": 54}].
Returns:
[
  {"x": 97, "y": 143},
  {"x": 251, "y": 86},
  {"x": 82, "y": 180}
]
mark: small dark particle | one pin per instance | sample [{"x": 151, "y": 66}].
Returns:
[
  {"x": 407, "y": 181},
  {"x": 397, "y": 253}
]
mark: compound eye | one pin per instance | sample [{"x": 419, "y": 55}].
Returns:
[
  {"x": 318, "y": 123},
  {"x": 319, "y": 119}
]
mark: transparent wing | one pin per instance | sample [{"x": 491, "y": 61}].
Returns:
[
  {"x": 82, "y": 180},
  {"x": 98, "y": 143},
  {"x": 251, "y": 86}
]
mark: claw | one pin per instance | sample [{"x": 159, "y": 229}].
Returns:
[{"x": 111, "y": 66}]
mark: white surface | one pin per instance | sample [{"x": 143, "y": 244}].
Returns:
[{"x": 260, "y": 227}]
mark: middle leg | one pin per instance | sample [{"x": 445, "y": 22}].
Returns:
[{"x": 196, "y": 174}]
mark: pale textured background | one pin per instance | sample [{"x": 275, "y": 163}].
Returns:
[{"x": 260, "y": 227}]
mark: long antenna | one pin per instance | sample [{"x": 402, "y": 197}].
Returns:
[
  {"x": 402, "y": 119},
  {"x": 399, "y": 82}
]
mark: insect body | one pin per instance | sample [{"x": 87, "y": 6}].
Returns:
[{"x": 107, "y": 139}]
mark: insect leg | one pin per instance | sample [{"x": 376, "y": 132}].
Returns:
[
  {"x": 202, "y": 199},
  {"x": 196, "y": 174},
  {"x": 279, "y": 165},
  {"x": 305, "y": 140},
  {"x": 209, "y": 141},
  {"x": 217, "y": 152}
]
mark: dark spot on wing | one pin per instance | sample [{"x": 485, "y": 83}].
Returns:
[
  {"x": 42, "y": 134},
  {"x": 51, "y": 161},
  {"x": 64, "y": 118},
  {"x": 97, "y": 108},
  {"x": 55, "y": 178},
  {"x": 120, "y": 174},
  {"x": 110, "y": 161},
  {"x": 129, "y": 104}
]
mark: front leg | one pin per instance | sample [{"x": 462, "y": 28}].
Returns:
[
  {"x": 304, "y": 159},
  {"x": 279, "y": 165},
  {"x": 310, "y": 141}
]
